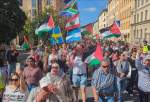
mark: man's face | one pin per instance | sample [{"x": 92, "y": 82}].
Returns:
[
  {"x": 79, "y": 49},
  {"x": 53, "y": 51},
  {"x": 31, "y": 62},
  {"x": 105, "y": 67},
  {"x": 147, "y": 62},
  {"x": 122, "y": 57},
  {"x": 55, "y": 70}
]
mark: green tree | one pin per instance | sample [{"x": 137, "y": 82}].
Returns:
[
  {"x": 12, "y": 20},
  {"x": 31, "y": 25}
]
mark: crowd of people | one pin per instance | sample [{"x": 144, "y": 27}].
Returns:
[{"x": 60, "y": 73}]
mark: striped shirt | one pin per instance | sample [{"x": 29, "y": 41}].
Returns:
[{"x": 143, "y": 76}]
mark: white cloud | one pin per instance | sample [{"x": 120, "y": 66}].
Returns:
[{"x": 90, "y": 9}]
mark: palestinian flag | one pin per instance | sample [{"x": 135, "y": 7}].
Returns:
[
  {"x": 111, "y": 32},
  {"x": 51, "y": 22},
  {"x": 92, "y": 61},
  {"x": 114, "y": 29},
  {"x": 95, "y": 58},
  {"x": 73, "y": 22},
  {"x": 87, "y": 29}
]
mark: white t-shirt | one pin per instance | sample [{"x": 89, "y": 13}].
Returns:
[
  {"x": 14, "y": 95},
  {"x": 79, "y": 66}
]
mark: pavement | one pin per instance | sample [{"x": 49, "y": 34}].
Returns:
[{"x": 126, "y": 97}]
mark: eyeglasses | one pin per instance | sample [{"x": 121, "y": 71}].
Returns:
[
  {"x": 148, "y": 60},
  {"x": 14, "y": 79},
  {"x": 55, "y": 67},
  {"x": 105, "y": 66}
]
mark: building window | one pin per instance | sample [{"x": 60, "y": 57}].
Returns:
[
  {"x": 48, "y": 2},
  {"x": 141, "y": 34},
  {"x": 145, "y": 33},
  {"x": 33, "y": 12},
  {"x": 142, "y": 2},
  {"x": 137, "y": 34},
  {"x": 137, "y": 18},
  {"x": 138, "y": 3},
  {"x": 33, "y": 3},
  {"x": 134, "y": 18},
  {"x": 141, "y": 16},
  {"x": 146, "y": 14}
]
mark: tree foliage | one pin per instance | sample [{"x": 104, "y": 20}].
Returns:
[
  {"x": 31, "y": 25},
  {"x": 12, "y": 20}
]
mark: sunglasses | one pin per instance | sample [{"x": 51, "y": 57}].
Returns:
[
  {"x": 105, "y": 66},
  {"x": 148, "y": 60},
  {"x": 55, "y": 67},
  {"x": 14, "y": 79}
]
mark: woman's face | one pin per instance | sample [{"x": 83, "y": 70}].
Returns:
[{"x": 15, "y": 80}]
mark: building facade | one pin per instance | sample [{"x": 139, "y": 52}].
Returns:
[
  {"x": 32, "y": 7},
  {"x": 56, "y": 4},
  {"x": 113, "y": 11},
  {"x": 102, "y": 19},
  {"x": 36, "y": 7},
  {"x": 95, "y": 28},
  {"x": 141, "y": 21},
  {"x": 124, "y": 15},
  {"x": 121, "y": 10}
]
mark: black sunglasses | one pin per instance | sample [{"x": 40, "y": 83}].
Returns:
[
  {"x": 105, "y": 66},
  {"x": 14, "y": 79}
]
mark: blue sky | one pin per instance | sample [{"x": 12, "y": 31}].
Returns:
[{"x": 90, "y": 10}]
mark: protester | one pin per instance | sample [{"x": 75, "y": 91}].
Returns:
[
  {"x": 32, "y": 74},
  {"x": 122, "y": 68},
  {"x": 62, "y": 63},
  {"x": 146, "y": 47},
  {"x": 54, "y": 87},
  {"x": 3, "y": 77},
  {"x": 104, "y": 84},
  {"x": 132, "y": 85},
  {"x": 143, "y": 66},
  {"x": 45, "y": 59},
  {"x": 79, "y": 77},
  {"x": 52, "y": 56},
  {"x": 11, "y": 57},
  {"x": 17, "y": 90},
  {"x": 63, "y": 50}
]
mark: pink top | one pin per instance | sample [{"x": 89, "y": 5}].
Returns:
[{"x": 32, "y": 75}]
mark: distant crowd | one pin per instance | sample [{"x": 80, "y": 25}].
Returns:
[{"x": 60, "y": 73}]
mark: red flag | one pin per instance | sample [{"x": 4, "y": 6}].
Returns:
[
  {"x": 99, "y": 52},
  {"x": 51, "y": 22},
  {"x": 115, "y": 29},
  {"x": 89, "y": 28}
]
